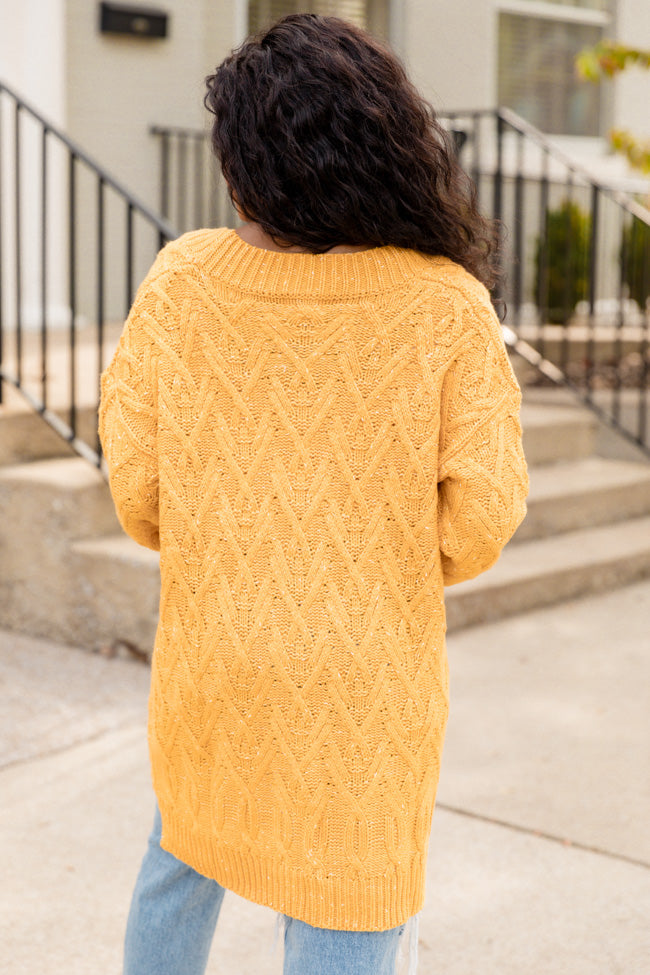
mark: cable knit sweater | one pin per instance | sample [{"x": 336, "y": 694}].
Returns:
[{"x": 316, "y": 444}]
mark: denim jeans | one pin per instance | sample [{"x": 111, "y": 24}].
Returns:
[{"x": 174, "y": 913}]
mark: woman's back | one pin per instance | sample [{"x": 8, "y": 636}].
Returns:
[
  {"x": 316, "y": 443},
  {"x": 319, "y": 433}
]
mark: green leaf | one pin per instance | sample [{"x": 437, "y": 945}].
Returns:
[{"x": 608, "y": 58}]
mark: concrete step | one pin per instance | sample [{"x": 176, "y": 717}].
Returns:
[
  {"x": 554, "y": 433},
  {"x": 608, "y": 441},
  {"x": 595, "y": 512},
  {"x": 121, "y": 587},
  {"x": 25, "y": 436},
  {"x": 69, "y": 574},
  {"x": 120, "y": 579},
  {"x": 549, "y": 570},
  {"x": 44, "y": 506},
  {"x": 64, "y": 495},
  {"x": 584, "y": 493}
]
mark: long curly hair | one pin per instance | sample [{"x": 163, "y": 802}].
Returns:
[{"x": 323, "y": 140}]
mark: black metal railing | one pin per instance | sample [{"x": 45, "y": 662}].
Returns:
[
  {"x": 193, "y": 193},
  {"x": 576, "y": 253},
  {"x": 74, "y": 243},
  {"x": 577, "y": 257}
]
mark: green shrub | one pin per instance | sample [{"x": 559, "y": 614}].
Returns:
[
  {"x": 635, "y": 252},
  {"x": 568, "y": 230}
]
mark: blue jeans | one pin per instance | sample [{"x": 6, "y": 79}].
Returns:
[{"x": 174, "y": 913}]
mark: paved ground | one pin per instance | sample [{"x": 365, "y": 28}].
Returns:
[{"x": 540, "y": 851}]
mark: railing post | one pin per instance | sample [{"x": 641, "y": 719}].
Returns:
[
  {"x": 1, "y": 256},
  {"x": 592, "y": 289},
  {"x": 476, "y": 152},
  {"x": 129, "y": 257},
  {"x": 519, "y": 231},
  {"x": 164, "y": 175},
  {"x": 542, "y": 261},
  {"x": 100, "y": 299},
  {"x": 198, "y": 182},
  {"x": 644, "y": 378},
  {"x": 571, "y": 269},
  {"x": 44, "y": 267},
  {"x": 215, "y": 208},
  {"x": 620, "y": 321},
  {"x": 181, "y": 153},
  {"x": 497, "y": 199},
  {"x": 72, "y": 290},
  {"x": 18, "y": 215}
]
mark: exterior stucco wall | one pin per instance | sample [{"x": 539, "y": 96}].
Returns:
[
  {"x": 450, "y": 51},
  {"x": 33, "y": 53},
  {"x": 32, "y": 63},
  {"x": 632, "y": 89},
  {"x": 119, "y": 86}
]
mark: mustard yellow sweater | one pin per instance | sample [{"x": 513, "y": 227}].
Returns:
[{"x": 316, "y": 444}]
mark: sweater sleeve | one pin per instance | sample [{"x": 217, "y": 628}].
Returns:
[
  {"x": 128, "y": 413},
  {"x": 483, "y": 479}
]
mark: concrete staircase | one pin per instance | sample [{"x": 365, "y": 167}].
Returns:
[
  {"x": 68, "y": 572},
  {"x": 588, "y": 523}
]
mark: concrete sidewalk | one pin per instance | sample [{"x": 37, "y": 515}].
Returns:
[{"x": 540, "y": 851}]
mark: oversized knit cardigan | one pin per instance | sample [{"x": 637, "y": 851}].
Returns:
[{"x": 316, "y": 444}]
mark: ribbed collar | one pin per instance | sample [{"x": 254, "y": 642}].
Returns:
[{"x": 223, "y": 254}]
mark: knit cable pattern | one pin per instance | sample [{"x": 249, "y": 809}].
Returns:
[{"x": 316, "y": 444}]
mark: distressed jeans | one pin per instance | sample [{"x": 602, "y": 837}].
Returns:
[{"x": 174, "y": 913}]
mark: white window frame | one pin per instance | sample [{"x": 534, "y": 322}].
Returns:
[
  {"x": 394, "y": 16},
  {"x": 547, "y": 9},
  {"x": 240, "y": 21},
  {"x": 555, "y": 11}
]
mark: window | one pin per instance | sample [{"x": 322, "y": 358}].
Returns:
[
  {"x": 372, "y": 14},
  {"x": 538, "y": 43},
  {"x": 587, "y": 4}
]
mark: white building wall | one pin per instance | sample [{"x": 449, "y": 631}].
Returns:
[
  {"x": 632, "y": 88},
  {"x": 33, "y": 63},
  {"x": 450, "y": 50},
  {"x": 118, "y": 86},
  {"x": 33, "y": 53}
]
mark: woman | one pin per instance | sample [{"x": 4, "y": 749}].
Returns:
[{"x": 314, "y": 419}]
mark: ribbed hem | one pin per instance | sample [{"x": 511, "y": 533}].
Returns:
[
  {"x": 374, "y": 904},
  {"x": 230, "y": 259}
]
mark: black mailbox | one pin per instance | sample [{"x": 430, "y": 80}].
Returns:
[{"x": 116, "y": 18}]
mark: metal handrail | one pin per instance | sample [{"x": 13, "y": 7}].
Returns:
[
  {"x": 178, "y": 130},
  {"x": 526, "y": 198},
  {"x": 598, "y": 379},
  {"x": 84, "y": 157},
  {"x": 75, "y": 234},
  {"x": 544, "y": 142},
  {"x": 193, "y": 192}
]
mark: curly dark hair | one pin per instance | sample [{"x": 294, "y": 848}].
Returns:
[{"x": 323, "y": 140}]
